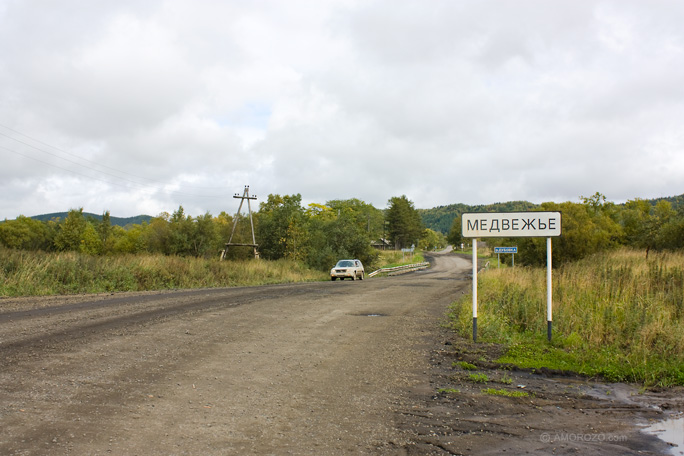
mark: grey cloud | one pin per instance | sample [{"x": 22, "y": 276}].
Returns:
[{"x": 444, "y": 101}]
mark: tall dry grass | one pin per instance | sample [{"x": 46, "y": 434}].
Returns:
[
  {"x": 390, "y": 258},
  {"x": 35, "y": 273},
  {"x": 620, "y": 308}
]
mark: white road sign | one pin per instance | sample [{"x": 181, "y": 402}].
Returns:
[{"x": 511, "y": 224}]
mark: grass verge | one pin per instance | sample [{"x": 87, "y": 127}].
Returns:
[
  {"x": 392, "y": 258},
  {"x": 616, "y": 315},
  {"x": 38, "y": 274}
]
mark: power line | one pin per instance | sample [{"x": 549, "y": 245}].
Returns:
[
  {"x": 90, "y": 161},
  {"x": 136, "y": 184}
]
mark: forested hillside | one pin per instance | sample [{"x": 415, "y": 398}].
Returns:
[
  {"x": 115, "y": 221},
  {"x": 440, "y": 218},
  {"x": 677, "y": 202},
  {"x": 595, "y": 225}
]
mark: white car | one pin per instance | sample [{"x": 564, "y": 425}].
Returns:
[{"x": 347, "y": 269}]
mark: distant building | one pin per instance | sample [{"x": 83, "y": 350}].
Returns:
[{"x": 382, "y": 244}]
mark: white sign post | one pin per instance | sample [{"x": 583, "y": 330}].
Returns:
[
  {"x": 474, "y": 289},
  {"x": 508, "y": 225},
  {"x": 549, "y": 307}
]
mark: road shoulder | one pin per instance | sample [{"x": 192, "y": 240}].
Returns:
[{"x": 464, "y": 411}]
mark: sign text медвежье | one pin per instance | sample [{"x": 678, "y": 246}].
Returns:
[{"x": 511, "y": 224}]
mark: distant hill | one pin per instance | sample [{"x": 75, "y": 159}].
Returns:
[
  {"x": 440, "y": 218},
  {"x": 676, "y": 201},
  {"x": 120, "y": 221}
]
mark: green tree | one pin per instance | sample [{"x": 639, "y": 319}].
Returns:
[
  {"x": 455, "y": 236},
  {"x": 337, "y": 237},
  {"x": 366, "y": 216},
  {"x": 280, "y": 227},
  {"x": 405, "y": 225},
  {"x": 636, "y": 224},
  {"x": 650, "y": 227},
  {"x": 665, "y": 226},
  {"x": 25, "y": 233},
  {"x": 431, "y": 240},
  {"x": 76, "y": 234},
  {"x": 204, "y": 236},
  {"x": 321, "y": 254},
  {"x": 104, "y": 229},
  {"x": 188, "y": 236},
  {"x": 90, "y": 242},
  {"x": 130, "y": 240},
  {"x": 586, "y": 228},
  {"x": 671, "y": 235},
  {"x": 157, "y": 234},
  {"x": 180, "y": 233}
]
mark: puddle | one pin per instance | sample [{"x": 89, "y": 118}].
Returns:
[{"x": 671, "y": 431}]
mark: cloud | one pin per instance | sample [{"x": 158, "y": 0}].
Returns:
[{"x": 141, "y": 107}]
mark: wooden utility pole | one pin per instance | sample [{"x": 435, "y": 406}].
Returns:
[{"x": 254, "y": 245}]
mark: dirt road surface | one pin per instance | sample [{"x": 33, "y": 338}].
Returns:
[{"x": 352, "y": 367}]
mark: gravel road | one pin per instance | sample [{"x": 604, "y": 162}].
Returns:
[
  {"x": 318, "y": 368},
  {"x": 329, "y": 368}
]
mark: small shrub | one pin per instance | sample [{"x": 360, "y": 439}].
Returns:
[
  {"x": 464, "y": 365},
  {"x": 503, "y": 392},
  {"x": 506, "y": 380},
  {"x": 478, "y": 378}
]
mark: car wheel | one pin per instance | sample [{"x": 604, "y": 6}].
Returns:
[
  {"x": 333, "y": 278},
  {"x": 362, "y": 276},
  {"x": 354, "y": 276}
]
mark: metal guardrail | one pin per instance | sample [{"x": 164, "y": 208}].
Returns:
[{"x": 400, "y": 269}]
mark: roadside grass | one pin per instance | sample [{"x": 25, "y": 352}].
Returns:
[
  {"x": 478, "y": 378},
  {"x": 617, "y": 315},
  {"x": 504, "y": 392},
  {"x": 487, "y": 253},
  {"x": 392, "y": 258},
  {"x": 25, "y": 273},
  {"x": 506, "y": 380},
  {"x": 465, "y": 365},
  {"x": 482, "y": 252}
]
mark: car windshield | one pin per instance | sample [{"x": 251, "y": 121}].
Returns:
[{"x": 345, "y": 264}]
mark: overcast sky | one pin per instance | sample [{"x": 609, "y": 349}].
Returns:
[{"x": 137, "y": 107}]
